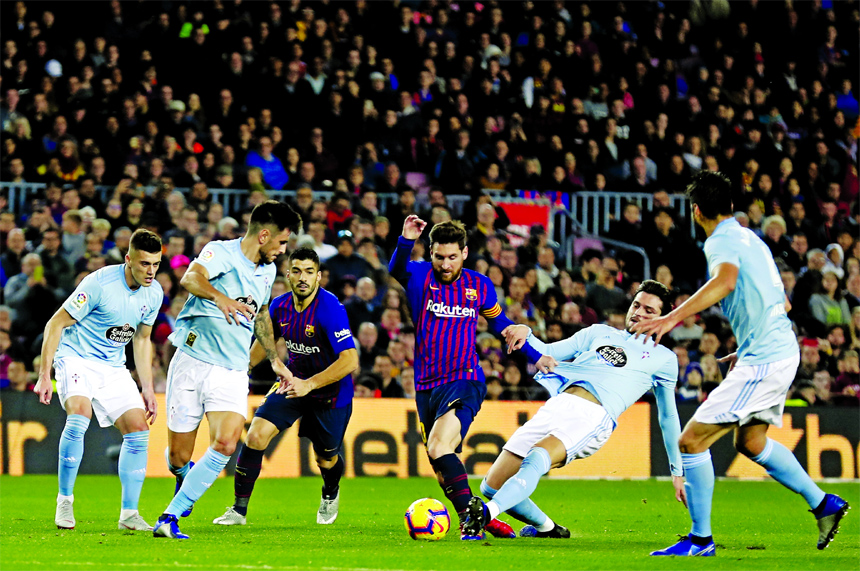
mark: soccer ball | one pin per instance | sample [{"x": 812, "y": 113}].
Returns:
[{"x": 427, "y": 519}]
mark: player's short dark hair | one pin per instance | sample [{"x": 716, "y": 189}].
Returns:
[
  {"x": 145, "y": 241},
  {"x": 305, "y": 254},
  {"x": 656, "y": 288},
  {"x": 277, "y": 214},
  {"x": 450, "y": 232},
  {"x": 712, "y": 193}
]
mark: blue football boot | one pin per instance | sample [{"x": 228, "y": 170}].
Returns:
[
  {"x": 686, "y": 548},
  {"x": 168, "y": 526}
]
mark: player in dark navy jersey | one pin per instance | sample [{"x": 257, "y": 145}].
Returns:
[
  {"x": 445, "y": 301},
  {"x": 322, "y": 355}
]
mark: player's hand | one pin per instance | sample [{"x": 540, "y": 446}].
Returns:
[
  {"x": 680, "y": 490},
  {"x": 546, "y": 364},
  {"x": 283, "y": 373},
  {"x": 232, "y": 309},
  {"x": 298, "y": 388},
  {"x": 656, "y": 327},
  {"x": 150, "y": 404},
  {"x": 413, "y": 227},
  {"x": 515, "y": 336},
  {"x": 45, "y": 389},
  {"x": 731, "y": 359}
]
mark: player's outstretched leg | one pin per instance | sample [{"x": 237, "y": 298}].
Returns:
[
  {"x": 132, "y": 471},
  {"x": 783, "y": 467},
  {"x": 528, "y": 512},
  {"x": 330, "y": 500},
  {"x": 180, "y": 474},
  {"x": 198, "y": 480},
  {"x": 248, "y": 466},
  {"x": 518, "y": 488},
  {"x": 71, "y": 452},
  {"x": 699, "y": 471}
]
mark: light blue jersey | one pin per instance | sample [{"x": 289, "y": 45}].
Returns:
[
  {"x": 108, "y": 313},
  {"x": 618, "y": 370},
  {"x": 202, "y": 331},
  {"x": 756, "y": 307}
]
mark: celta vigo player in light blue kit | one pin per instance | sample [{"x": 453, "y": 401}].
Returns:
[
  {"x": 85, "y": 340},
  {"x": 745, "y": 279},
  {"x": 230, "y": 284},
  {"x": 610, "y": 371}
]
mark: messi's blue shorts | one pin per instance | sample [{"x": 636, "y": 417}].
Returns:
[
  {"x": 324, "y": 426},
  {"x": 465, "y": 397}
]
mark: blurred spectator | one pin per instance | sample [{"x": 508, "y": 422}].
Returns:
[
  {"x": 368, "y": 339},
  {"x": 19, "y": 378},
  {"x": 274, "y": 173},
  {"x": 346, "y": 262},
  {"x": 16, "y": 246},
  {"x": 57, "y": 270},
  {"x": 829, "y": 307},
  {"x": 389, "y": 387},
  {"x": 363, "y": 307}
]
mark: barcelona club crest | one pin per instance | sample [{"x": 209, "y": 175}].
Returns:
[
  {"x": 309, "y": 330},
  {"x": 471, "y": 294}
]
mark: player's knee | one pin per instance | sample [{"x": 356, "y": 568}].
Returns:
[
  {"x": 749, "y": 447},
  {"x": 326, "y": 463},
  {"x": 225, "y": 446},
  {"x": 256, "y": 441},
  {"x": 689, "y": 444},
  {"x": 137, "y": 426},
  {"x": 436, "y": 450},
  {"x": 178, "y": 458}
]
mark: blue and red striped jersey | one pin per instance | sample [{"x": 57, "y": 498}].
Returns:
[
  {"x": 446, "y": 319},
  {"x": 315, "y": 337}
]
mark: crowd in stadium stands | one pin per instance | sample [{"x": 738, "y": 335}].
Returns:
[{"x": 150, "y": 97}]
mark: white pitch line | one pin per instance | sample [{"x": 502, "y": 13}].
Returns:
[{"x": 177, "y": 564}]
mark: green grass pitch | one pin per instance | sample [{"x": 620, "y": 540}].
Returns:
[{"x": 757, "y": 525}]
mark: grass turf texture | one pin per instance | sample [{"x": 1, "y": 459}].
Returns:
[{"x": 615, "y": 524}]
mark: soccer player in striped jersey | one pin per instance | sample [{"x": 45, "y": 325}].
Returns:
[
  {"x": 446, "y": 300},
  {"x": 746, "y": 283},
  {"x": 322, "y": 355},
  {"x": 85, "y": 341}
]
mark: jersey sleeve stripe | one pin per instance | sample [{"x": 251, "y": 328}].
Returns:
[{"x": 492, "y": 312}]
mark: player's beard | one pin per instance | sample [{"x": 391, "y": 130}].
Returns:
[
  {"x": 309, "y": 292},
  {"x": 454, "y": 276}
]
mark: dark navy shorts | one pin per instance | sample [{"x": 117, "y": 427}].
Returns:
[
  {"x": 324, "y": 426},
  {"x": 465, "y": 397}
]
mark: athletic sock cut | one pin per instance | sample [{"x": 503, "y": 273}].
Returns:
[
  {"x": 71, "y": 452},
  {"x": 522, "y": 484},
  {"x": 455, "y": 481},
  {"x": 132, "y": 467},
  {"x": 783, "y": 467},
  {"x": 248, "y": 467},
  {"x": 699, "y": 471},
  {"x": 526, "y": 511},
  {"x": 198, "y": 480},
  {"x": 331, "y": 478}
]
